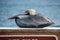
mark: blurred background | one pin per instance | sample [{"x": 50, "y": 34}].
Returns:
[{"x": 8, "y": 8}]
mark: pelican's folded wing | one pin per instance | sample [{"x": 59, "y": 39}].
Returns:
[
  {"x": 34, "y": 21},
  {"x": 40, "y": 19}
]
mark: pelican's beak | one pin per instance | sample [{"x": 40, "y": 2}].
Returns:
[{"x": 13, "y": 17}]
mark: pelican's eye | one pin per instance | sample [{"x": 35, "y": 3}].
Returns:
[{"x": 27, "y": 12}]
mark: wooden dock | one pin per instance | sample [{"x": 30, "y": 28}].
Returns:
[{"x": 30, "y": 32}]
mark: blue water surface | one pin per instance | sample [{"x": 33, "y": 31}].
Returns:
[{"x": 8, "y": 8}]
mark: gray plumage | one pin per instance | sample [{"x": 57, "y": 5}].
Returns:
[{"x": 30, "y": 21}]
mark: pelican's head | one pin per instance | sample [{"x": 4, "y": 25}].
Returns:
[{"x": 31, "y": 12}]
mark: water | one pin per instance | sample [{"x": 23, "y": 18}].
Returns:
[{"x": 8, "y": 8}]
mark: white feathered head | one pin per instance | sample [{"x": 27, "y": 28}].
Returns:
[{"x": 32, "y": 11}]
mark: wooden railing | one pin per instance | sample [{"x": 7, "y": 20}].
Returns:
[{"x": 30, "y": 32}]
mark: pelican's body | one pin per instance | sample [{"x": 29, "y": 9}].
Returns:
[{"x": 33, "y": 20}]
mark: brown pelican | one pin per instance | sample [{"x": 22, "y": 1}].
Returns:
[{"x": 31, "y": 19}]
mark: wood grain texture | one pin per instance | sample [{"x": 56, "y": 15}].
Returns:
[{"x": 30, "y": 32}]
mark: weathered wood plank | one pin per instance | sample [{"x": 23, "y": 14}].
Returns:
[{"x": 30, "y": 32}]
